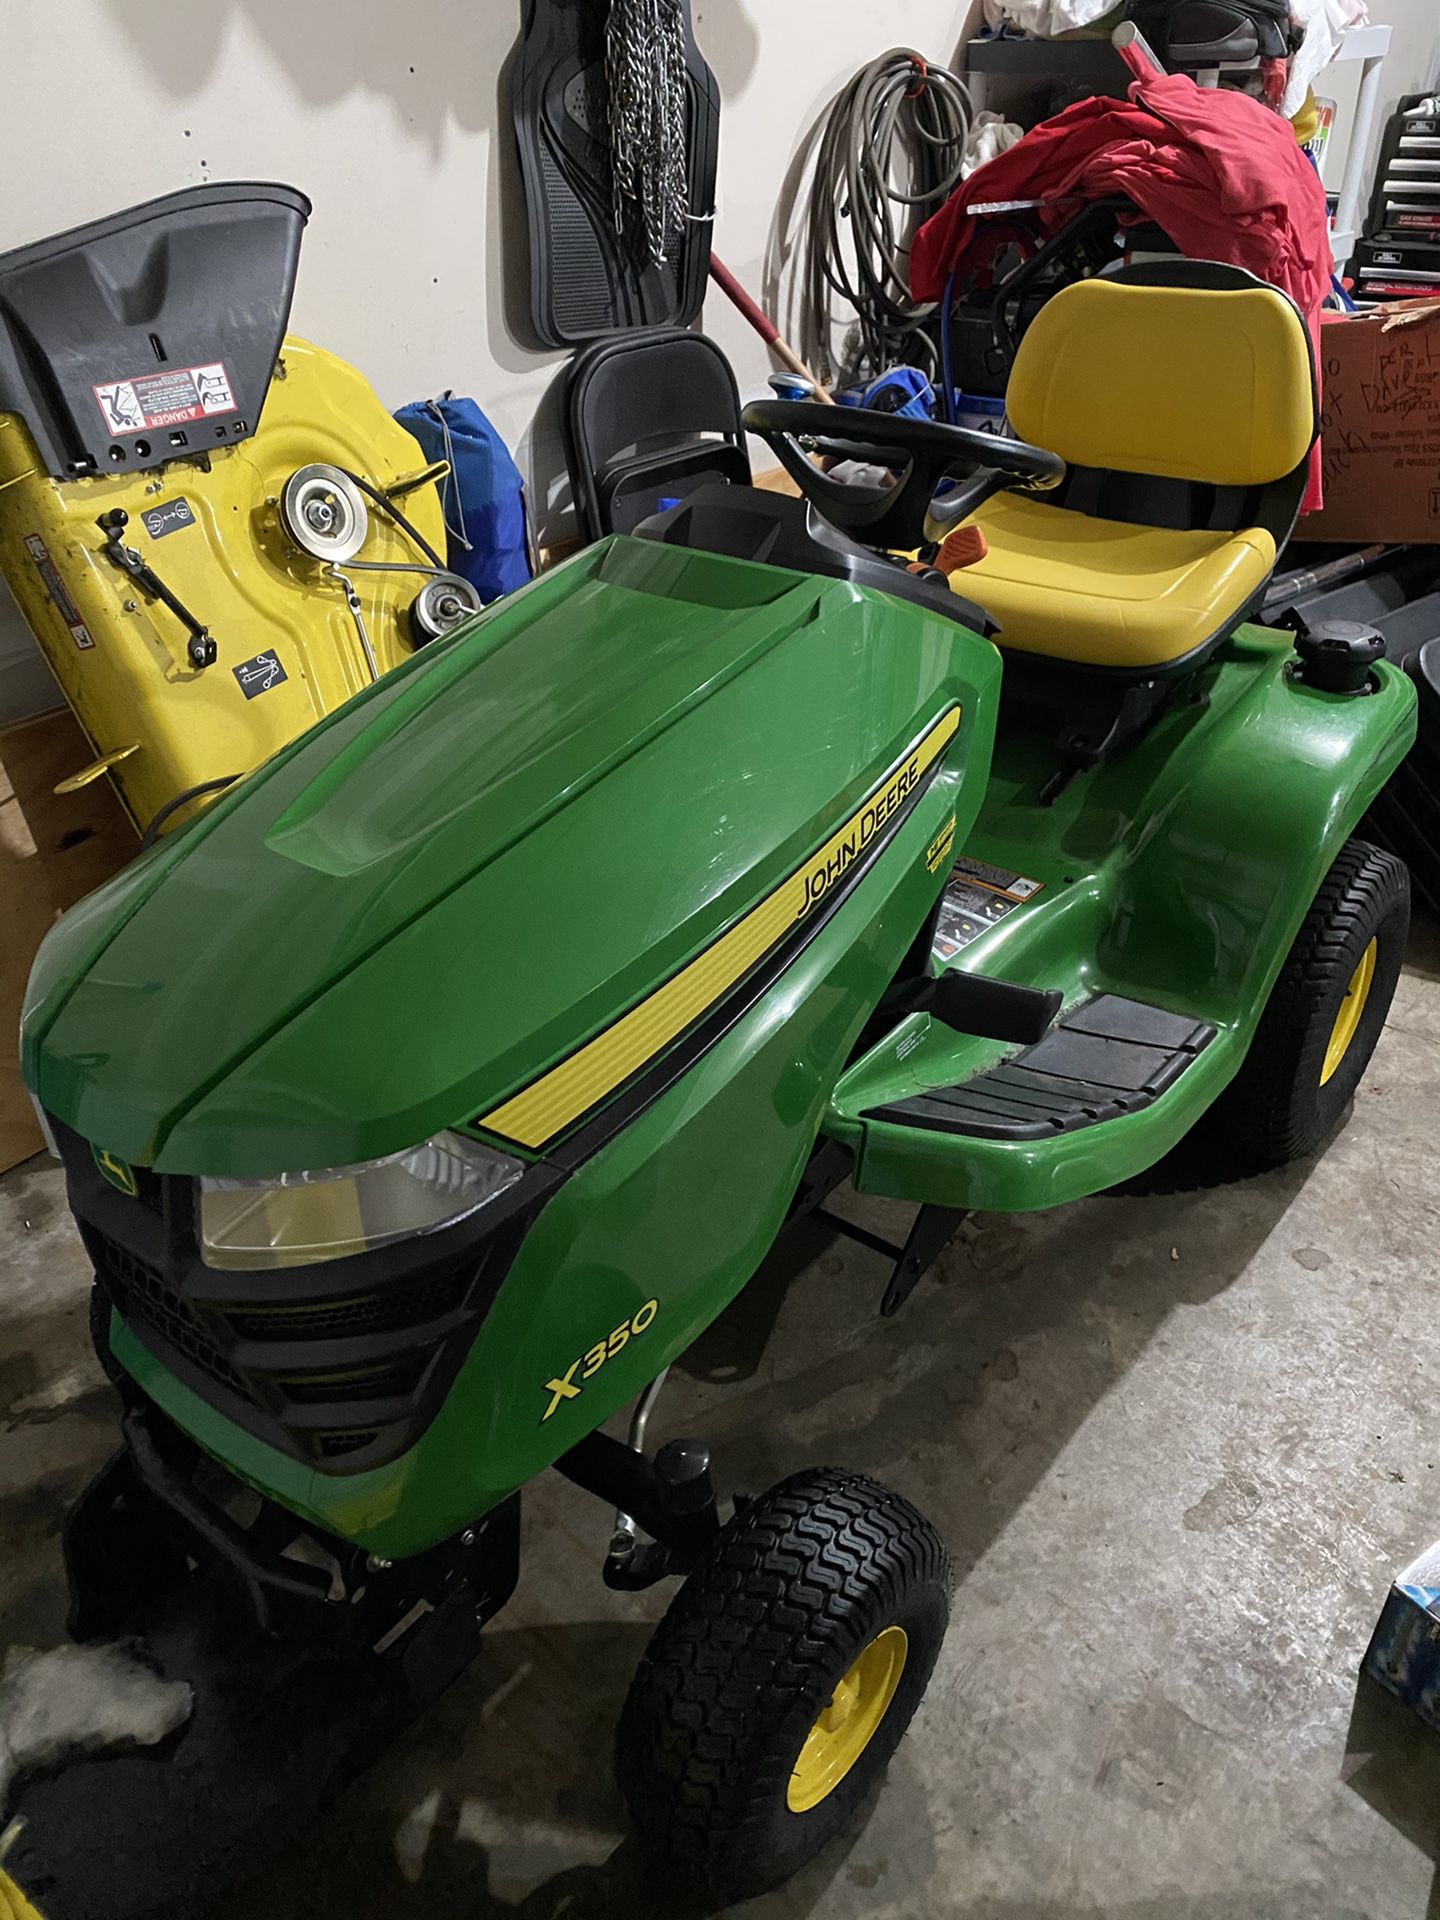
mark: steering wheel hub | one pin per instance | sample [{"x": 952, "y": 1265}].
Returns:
[{"x": 923, "y": 452}]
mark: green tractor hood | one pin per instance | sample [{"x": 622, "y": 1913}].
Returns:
[{"x": 456, "y": 880}]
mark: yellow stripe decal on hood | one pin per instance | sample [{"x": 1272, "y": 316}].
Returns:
[{"x": 589, "y": 1075}]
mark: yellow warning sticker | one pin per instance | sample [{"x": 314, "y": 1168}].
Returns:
[
  {"x": 940, "y": 847},
  {"x": 976, "y": 896}
]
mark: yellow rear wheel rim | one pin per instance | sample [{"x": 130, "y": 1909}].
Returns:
[
  {"x": 849, "y": 1722},
  {"x": 1347, "y": 1017}
]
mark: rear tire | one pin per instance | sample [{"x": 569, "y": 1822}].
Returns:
[
  {"x": 1314, "y": 1042},
  {"x": 807, "y": 1634}
]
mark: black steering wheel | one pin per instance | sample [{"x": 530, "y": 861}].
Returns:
[{"x": 895, "y": 517}]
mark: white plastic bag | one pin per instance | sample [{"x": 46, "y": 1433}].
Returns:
[
  {"x": 1045, "y": 18},
  {"x": 1324, "y": 21},
  {"x": 990, "y": 133}
]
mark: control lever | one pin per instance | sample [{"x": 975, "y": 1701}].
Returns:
[
  {"x": 988, "y": 1009},
  {"x": 202, "y": 650}
]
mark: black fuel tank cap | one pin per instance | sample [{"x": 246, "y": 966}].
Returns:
[{"x": 1336, "y": 655}]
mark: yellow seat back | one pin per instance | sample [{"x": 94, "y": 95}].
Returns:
[{"x": 1209, "y": 384}]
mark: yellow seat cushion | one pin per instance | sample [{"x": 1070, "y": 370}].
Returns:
[{"x": 1104, "y": 592}]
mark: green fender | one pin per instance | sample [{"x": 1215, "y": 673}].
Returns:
[
  {"x": 1177, "y": 874},
  {"x": 1247, "y": 821}
]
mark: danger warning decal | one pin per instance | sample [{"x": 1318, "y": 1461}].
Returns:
[
  {"x": 975, "y": 897},
  {"x": 166, "y": 399}
]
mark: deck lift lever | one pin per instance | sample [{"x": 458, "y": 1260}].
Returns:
[{"x": 201, "y": 649}]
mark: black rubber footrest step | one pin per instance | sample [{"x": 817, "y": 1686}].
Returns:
[{"x": 1109, "y": 1057}]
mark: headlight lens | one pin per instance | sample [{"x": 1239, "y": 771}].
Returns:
[{"x": 296, "y": 1218}]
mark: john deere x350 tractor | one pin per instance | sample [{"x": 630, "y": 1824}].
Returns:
[{"x": 428, "y": 1095}]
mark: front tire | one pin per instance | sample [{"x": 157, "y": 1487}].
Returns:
[
  {"x": 781, "y": 1680},
  {"x": 1323, "y": 1017}
]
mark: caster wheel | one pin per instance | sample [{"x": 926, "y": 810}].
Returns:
[
  {"x": 1322, "y": 1019},
  {"x": 780, "y": 1682}
]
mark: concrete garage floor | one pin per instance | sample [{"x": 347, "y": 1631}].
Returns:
[{"x": 1178, "y": 1441}]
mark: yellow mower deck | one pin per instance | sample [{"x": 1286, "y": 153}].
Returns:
[{"x": 209, "y": 524}]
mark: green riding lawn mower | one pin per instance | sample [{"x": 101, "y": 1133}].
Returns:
[{"x": 743, "y": 856}]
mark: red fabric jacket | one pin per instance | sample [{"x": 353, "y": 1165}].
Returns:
[{"x": 1221, "y": 173}]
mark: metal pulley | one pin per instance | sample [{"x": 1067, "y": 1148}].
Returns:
[
  {"x": 441, "y": 604},
  {"x": 323, "y": 512}
]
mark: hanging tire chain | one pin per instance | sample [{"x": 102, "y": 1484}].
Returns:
[{"x": 647, "y": 80}]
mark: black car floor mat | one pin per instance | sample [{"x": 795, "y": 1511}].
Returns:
[{"x": 583, "y": 278}]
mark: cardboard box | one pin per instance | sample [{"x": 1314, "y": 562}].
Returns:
[
  {"x": 53, "y": 849},
  {"x": 1379, "y": 427}
]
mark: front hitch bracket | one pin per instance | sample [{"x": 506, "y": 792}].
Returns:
[{"x": 671, "y": 1497}]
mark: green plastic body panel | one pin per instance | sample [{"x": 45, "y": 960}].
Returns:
[
  {"x": 680, "y": 1208},
  {"x": 1177, "y": 874},
  {"x": 464, "y": 875},
  {"x": 473, "y": 867}
]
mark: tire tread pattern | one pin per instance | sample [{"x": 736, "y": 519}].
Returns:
[
  {"x": 1275, "y": 1111},
  {"x": 750, "y": 1648}
]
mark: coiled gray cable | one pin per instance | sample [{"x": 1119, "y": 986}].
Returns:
[{"x": 890, "y": 152}]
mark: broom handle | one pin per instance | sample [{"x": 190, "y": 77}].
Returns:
[
  {"x": 1136, "y": 51},
  {"x": 763, "y": 324}
]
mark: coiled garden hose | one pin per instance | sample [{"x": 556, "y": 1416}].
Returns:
[{"x": 890, "y": 152}]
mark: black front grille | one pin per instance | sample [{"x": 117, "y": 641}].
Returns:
[
  {"x": 417, "y": 1332},
  {"x": 141, "y": 1294},
  {"x": 355, "y": 1383},
  {"x": 208, "y": 1336},
  {"x": 359, "y": 1313},
  {"x": 342, "y": 1365},
  {"x": 149, "y": 1189},
  {"x": 334, "y": 1446}
]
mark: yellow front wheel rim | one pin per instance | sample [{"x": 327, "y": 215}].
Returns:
[
  {"x": 1347, "y": 1017},
  {"x": 848, "y": 1724}
]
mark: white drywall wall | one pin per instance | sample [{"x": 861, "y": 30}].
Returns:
[
  {"x": 390, "y": 118},
  {"x": 1413, "y": 61}
]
